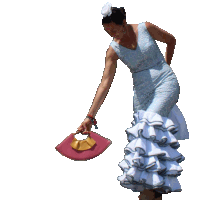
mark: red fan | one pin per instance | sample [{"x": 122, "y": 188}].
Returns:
[{"x": 86, "y": 149}]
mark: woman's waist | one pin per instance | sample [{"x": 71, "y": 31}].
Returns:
[
  {"x": 151, "y": 85},
  {"x": 154, "y": 77}
]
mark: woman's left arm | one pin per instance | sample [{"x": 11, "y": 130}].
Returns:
[
  {"x": 169, "y": 52},
  {"x": 165, "y": 37}
]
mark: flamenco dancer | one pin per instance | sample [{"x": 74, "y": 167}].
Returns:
[{"x": 150, "y": 165}]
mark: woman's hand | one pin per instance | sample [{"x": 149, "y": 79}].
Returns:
[{"x": 85, "y": 126}]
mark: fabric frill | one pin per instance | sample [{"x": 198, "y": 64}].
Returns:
[{"x": 151, "y": 157}]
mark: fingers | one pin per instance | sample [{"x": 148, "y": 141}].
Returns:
[
  {"x": 82, "y": 129},
  {"x": 85, "y": 127},
  {"x": 87, "y": 130}
]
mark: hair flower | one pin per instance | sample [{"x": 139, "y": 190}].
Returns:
[{"x": 106, "y": 9}]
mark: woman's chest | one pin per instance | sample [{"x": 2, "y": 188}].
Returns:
[{"x": 132, "y": 41}]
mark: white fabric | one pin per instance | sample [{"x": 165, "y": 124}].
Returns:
[
  {"x": 177, "y": 117},
  {"x": 151, "y": 158}
]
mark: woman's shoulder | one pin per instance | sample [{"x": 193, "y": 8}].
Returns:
[
  {"x": 133, "y": 25},
  {"x": 111, "y": 53},
  {"x": 136, "y": 25}
]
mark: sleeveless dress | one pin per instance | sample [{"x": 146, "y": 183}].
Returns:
[{"x": 151, "y": 157}]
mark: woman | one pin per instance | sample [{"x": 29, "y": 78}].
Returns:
[{"x": 151, "y": 160}]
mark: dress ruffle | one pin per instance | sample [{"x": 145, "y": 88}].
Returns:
[{"x": 151, "y": 159}]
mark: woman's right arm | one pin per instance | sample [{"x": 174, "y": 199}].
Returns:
[{"x": 107, "y": 79}]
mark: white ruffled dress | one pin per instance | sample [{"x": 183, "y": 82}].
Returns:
[{"x": 151, "y": 158}]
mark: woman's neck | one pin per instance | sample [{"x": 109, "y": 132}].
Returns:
[{"x": 129, "y": 34}]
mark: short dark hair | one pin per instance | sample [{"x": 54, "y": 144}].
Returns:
[{"x": 117, "y": 16}]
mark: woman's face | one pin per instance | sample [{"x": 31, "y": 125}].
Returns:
[{"x": 114, "y": 30}]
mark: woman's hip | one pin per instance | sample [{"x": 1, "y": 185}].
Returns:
[{"x": 160, "y": 100}]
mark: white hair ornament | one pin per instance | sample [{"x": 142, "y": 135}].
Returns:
[{"x": 106, "y": 9}]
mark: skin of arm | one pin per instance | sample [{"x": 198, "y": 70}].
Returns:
[
  {"x": 108, "y": 76},
  {"x": 169, "y": 52},
  {"x": 165, "y": 37}
]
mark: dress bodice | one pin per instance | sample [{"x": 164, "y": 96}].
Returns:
[{"x": 145, "y": 56}]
